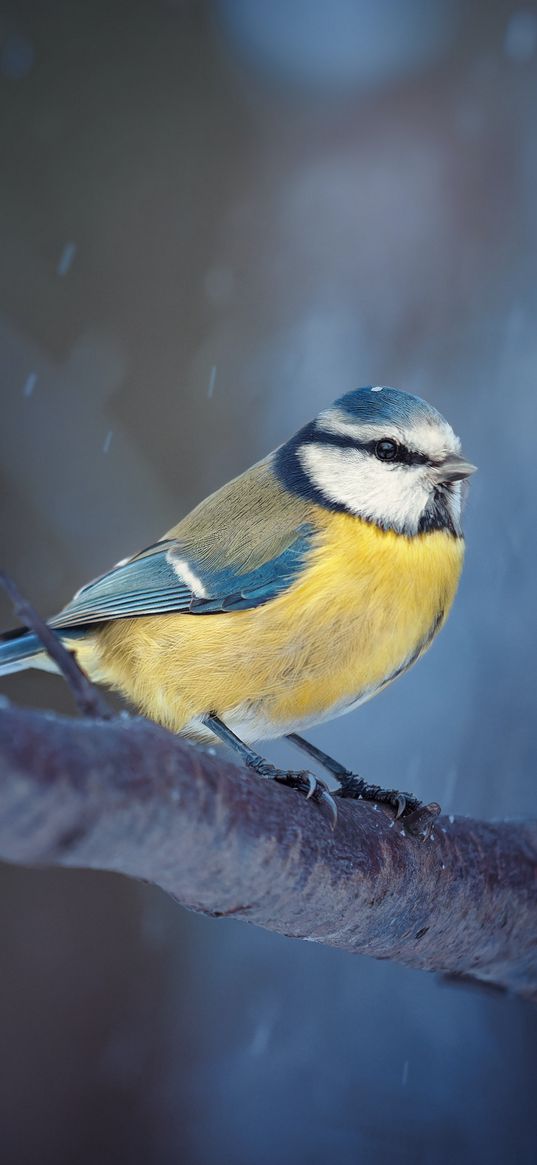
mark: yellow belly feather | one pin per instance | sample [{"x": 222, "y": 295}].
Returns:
[{"x": 367, "y": 600}]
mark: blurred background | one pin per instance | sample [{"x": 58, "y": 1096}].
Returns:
[{"x": 215, "y": 217}]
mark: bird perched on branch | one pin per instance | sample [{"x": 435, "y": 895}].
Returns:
[{"x": 294, "y": 593}]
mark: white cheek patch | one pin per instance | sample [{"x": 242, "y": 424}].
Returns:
[
  {"x": 393, "y": 496},
  {"x": 186, "y": 575}
]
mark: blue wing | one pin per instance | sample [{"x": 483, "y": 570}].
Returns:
[{"x": 166, "y": 577}]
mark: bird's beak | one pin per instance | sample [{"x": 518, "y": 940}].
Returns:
[{"x": 454, "y": 468}]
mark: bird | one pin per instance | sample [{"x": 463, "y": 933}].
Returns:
[{"x": 293, "y": 594}]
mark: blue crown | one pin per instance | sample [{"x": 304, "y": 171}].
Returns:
[{"x": 386, "y": 404}]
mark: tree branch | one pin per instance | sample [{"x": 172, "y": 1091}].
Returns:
[{"x": 125, "y": 795}]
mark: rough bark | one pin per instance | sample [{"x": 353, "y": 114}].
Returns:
[{"x": 124, "y": 795}]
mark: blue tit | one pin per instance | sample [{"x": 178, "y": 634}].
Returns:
[{"x": 293, "y": 594}]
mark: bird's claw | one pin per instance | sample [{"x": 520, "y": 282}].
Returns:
[
  {"x": 399, "y": 804},
  {"x": 405, "y": 805},
  {"x": 311, "y": 787},
  {"x": 328, "y": 800}
]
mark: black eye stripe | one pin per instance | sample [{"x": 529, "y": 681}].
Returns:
[{"x": 313, "y": 436}]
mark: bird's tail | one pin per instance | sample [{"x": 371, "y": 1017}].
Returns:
[{"x": 21, "y": 649}]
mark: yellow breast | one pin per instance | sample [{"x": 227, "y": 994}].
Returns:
[{"x": 366, "y": 606}]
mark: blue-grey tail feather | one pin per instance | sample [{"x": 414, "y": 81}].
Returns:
[{"x": 18, "y": 648}]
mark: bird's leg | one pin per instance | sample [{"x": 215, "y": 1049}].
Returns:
[
  {"x": 354, "y": 786},
  {"x": 302, "y": 781}
]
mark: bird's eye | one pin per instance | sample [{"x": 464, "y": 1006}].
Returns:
[{"x": 386, "y": 450}]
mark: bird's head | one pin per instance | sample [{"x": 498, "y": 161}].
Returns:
[{"x": 384, "y": 455}]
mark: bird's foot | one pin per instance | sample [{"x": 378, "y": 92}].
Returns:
[
  {"x": 312, "y": 788},
  {"x": 418, "y": 819},
  {"x": 358, "y": 790}
]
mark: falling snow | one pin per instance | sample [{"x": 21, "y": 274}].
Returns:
[
  {"x": 29, "y": 384},
  {"x": 66, "y": 259}
]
